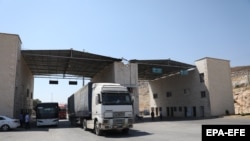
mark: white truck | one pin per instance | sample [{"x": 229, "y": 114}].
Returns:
[{"x": 101, "y": 107}]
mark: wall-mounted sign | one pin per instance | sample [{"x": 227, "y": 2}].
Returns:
[
  {"x": 72, "y": 82},
  {"x": 157, "y": 70},
  {"x": 184, "y": 72},
  {"x": 53, "y": 82}
]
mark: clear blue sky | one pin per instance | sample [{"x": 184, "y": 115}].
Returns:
[{"x": 183, "y": 30}]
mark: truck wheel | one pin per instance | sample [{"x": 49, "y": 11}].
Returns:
[
  {"x": 84, "y": 125},
  {"x": 125, "y": 131},
  {"x": 72, "y": 121},
  {"x": 97, "y": 129}
]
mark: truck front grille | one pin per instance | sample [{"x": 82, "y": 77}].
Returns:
[
  {"x": 119, "y": 121},
  {"x": 118, "y": 114}
]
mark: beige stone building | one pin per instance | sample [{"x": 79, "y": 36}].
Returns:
[
  {"x": 17, "y": 82},
  {"x": 205, "y": 91}
]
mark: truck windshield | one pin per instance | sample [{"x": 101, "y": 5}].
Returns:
[{"x": 116, "y": 99}]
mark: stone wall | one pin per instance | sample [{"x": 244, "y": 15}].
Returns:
[
  {"x": 144, "y": 98},
  {"x": 241, "y": 89}
]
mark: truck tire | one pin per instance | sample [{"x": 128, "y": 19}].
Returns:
[
  {"x": 72, "y": 121},
  {"x": 125, "y": 131},
  {"x": 84, "y": 125},
  {"x": 97, "y": 130}
]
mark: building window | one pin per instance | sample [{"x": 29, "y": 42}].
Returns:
[
  {"x": 168, "y": 94},
  {"x": 180, "y": 109},
  {"x": 175, "y": 109},
  {"x": 16, "y": 90},
  {"x": 152, "y": 108},
  {"x": 28, "y": 93},
  {"x": 186, "y": 91},
  {"x": 202, "y": 77},
  {"x": 155, "y": 96},
  {"x": 203, "y": 94}
]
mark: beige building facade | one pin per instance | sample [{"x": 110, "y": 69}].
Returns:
[
  {"x": 205, "y": 91},
  {"x": 17, "y": 81}
]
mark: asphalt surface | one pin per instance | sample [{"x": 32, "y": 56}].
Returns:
[{"x": 143, "y": 130}]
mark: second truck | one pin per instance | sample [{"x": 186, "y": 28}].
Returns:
[{"x": 101, "y": 107}]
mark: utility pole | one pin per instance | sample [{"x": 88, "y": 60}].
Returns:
[{"x": 51, "y": 97}]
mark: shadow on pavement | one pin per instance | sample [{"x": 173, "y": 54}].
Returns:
[
  {"x": 169, "y": 119},
  {"x": 33, "y": 127}
]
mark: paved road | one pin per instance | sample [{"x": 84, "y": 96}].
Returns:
[{"x": 147, "y": 130}]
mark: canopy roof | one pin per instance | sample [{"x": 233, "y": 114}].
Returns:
[
  {"x": 71, "y": 63},
  {"x": 65, "y": 63},
  {"x": 153, "y": 69}
]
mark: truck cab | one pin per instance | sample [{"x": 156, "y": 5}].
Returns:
[{"x": 112, "y": 108}]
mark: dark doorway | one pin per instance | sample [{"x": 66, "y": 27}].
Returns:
[
  {"x": 194, "y": 111},
  {"x": 168, "y": 113},
  {"x": 185, "y": 111}
]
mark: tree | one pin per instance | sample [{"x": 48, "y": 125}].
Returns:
[{"x": 35, "y": 102}]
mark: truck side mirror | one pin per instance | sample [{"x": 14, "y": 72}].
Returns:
[
  {"x": 132, "y": 99},
  {"x": 98, "y": 99}
]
